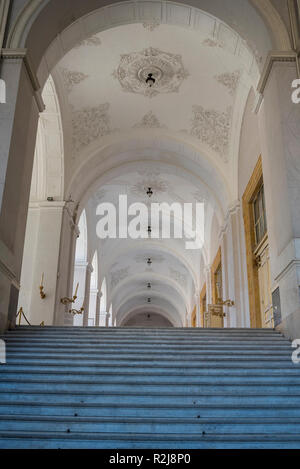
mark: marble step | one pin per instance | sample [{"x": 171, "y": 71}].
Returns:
[{"x": 63, "y": 440}]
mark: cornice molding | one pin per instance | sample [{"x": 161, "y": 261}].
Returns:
[
  {"x": 9, "y": 274},
  {"x": 273, "y": 56},
  {"x": 22, "y": 54}
]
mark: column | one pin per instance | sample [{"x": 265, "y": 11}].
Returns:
[
  {"x": 18, "y": 127},
  {"x": 107, "y": 320},
  {"x": 65, "y": 274},
  {"x": 98, "y": 300},
  {"x": 79, "y": 277},
  {"x": 198, "y": 313},
  {"x": 279, "y": 120},
  {"x": 89, "y": 270},
  {"x": 41, "y": 255}
]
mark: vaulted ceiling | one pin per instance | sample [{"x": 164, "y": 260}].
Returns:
[{"x": 202, "y": 75}]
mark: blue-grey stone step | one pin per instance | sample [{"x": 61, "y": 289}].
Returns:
[
  {"x": 63, "y": 440},
  {"x": 131, "y": 410},
  {"x": 153, "y": 425}
]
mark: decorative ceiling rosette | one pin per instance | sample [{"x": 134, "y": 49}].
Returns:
[{"x": 167, "y": 70}]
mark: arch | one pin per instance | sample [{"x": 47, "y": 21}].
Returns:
[
  {"x": 103, "y": 300},
  {"x": 81, "y": 19},
  {"x": 81, "y": 242},
  {"x": 176, "y": 321},
  {"x": 48, "y": 166}
]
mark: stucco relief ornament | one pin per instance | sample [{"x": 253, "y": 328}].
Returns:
[
  {"x": 229, "y": 80},
  {"x": 90, "y": 123},
  {"x": 167, "y": 70},
  {"x": 72, "y": 78},
  {"x": 212, "y": 128},
  {"x": 118, "y": 276},
  {"x": 149, "y": 121},
  {"x": 151, "y": 25},
  {"x": 158, "y": 186}
]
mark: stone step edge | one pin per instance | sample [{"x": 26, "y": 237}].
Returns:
[
  {"x": 39, "y": 436},
  {"x": 148, "y": 420}
]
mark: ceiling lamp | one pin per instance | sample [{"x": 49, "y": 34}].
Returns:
[
  {"x": 149, "y": 261},
  {"x": 150, "y": 80},
  {"x": 149, "y": 192},
  {"x": 149, "y": 285}
]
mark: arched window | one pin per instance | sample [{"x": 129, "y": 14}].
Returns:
[
  {"x": 80, "y": 267},
  {"x": 103, "y": 303},
  {"x": 93, "y": 291}
]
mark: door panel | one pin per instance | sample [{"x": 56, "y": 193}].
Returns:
[{"x": 265, "y": 295}]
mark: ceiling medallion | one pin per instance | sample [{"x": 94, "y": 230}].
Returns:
[{"x": 151, "y": 72}]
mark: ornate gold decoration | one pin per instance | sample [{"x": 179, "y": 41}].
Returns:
[
  {"x": 41, "y": 287},
  {"x": 216, "y": 310},
  {"x": 66, "y": 300},
  {"x": 76, "y": 311}
]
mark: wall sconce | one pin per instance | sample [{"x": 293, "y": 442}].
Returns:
[
  {"x": 66, "y": 300},
  {"x": 228, "y": 303},
  {"x": 41, "y": 287},
  {"x": 76, "y": 311}
]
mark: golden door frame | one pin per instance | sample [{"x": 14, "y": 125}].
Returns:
[{"x": 251, "y": 191}]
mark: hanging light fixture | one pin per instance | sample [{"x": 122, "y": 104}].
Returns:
[
  {"x": 149, "y": 192},
  {"x": 150, "y": 80},
  {"x": 149, "y": 285},
  {"x": 149, "y": 300},
  {"x": 149, "y": 261}
]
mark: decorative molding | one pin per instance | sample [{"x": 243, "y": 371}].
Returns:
[
  {"x": 71, "y": 78},
  {"x": 93, "y": 41},
  {"x": 274, "y": 21},
  {"x": 118, "y": 276},
  {"x": 8, "y": 273},
  {"x": 212, "y": 43},
  {"x": 151, "y": 25},
  {"x": 230, "y": 80},
  {"x": 22, "y": 54},
  {"x": 142, "y": 258},
  {"x": 149, "y": 121},
  {"x": 166, "y": 68},
  {"x": 4, "y": 8},
  {"x": 179, "y": 277},
  {"x": 90, "y": 123},
  {"x": 158, "y": 185},
  {"x": 212, "y": 128},
  {"x": 274, "y": 56}
]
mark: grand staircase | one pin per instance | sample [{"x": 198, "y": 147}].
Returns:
[{"x": 148, "y": 388}]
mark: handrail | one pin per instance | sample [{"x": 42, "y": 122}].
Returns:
[{"x": 21, "y": 313}]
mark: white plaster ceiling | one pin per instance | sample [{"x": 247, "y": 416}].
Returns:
[
  {"x": 215, "y": 74},
  {"x": 199, "y": 99}
]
